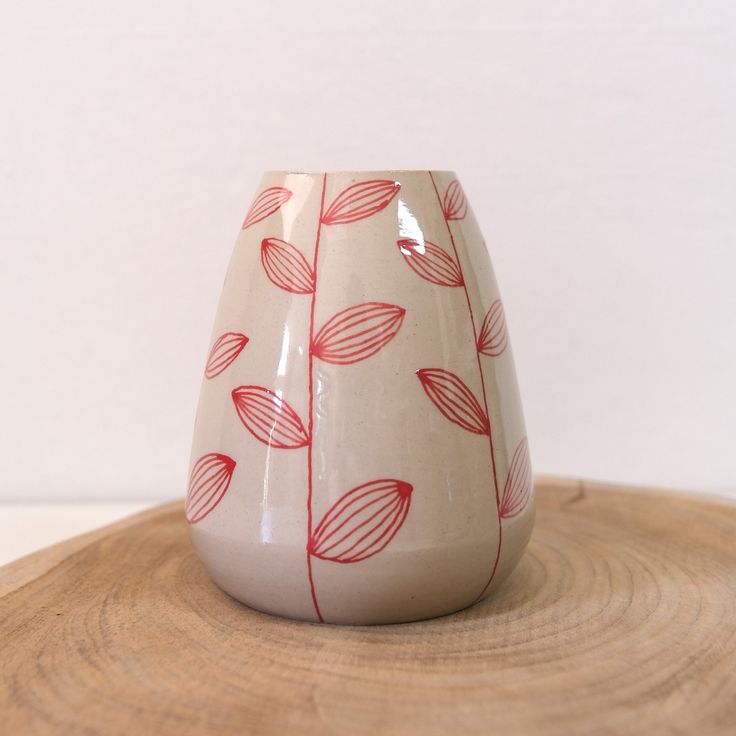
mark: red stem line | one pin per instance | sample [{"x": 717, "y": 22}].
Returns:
[
  {"x": 482, "y": 385},
  {"x": 310, "y": 428}
]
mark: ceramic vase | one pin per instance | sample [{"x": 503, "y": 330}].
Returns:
[{"x": 359, "y": 453}]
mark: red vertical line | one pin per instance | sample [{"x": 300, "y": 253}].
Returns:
[
  {"x": 482, "y": 385},
  {"x": 310, "y": 427}
]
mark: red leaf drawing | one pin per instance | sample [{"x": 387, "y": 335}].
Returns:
[
  {"x": 455, "y": 205},
  {"x": 360, "y": 200},
  {"x": 493, "y": 337},
  {"x": 518, "y": 486},
  {"x": 362, "y": 522},
  {"x": 357, "y": 332},
  {"x": 208, "y": 481},
  {"x": 265, "y": 204},
  {"x": 227, "y": 347},
  {"x": 286, "y": 266},
  {"x": 269, "y": 418},
  {"x": 431, "y": 262},
  {"x": 454, "y": 399}
]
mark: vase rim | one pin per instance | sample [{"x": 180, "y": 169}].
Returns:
[{"x": 354, "y": 172}]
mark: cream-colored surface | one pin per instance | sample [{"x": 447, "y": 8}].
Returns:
[{"x": 372, "y": 418}]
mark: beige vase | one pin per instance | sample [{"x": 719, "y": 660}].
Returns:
[{"x": 359, "y": 452}]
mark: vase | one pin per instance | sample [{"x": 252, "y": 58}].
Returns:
[{"x": 359, "y": 451}]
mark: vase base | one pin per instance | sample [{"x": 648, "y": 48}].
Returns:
[{"x": 273, "y": 579}]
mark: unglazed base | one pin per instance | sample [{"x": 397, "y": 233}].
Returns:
[
  {"x": 398, "y": 600},
  {"x": 360, "y": 453},
  {"x": 425, "y": 583}
]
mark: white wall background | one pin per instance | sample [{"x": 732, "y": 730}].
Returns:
[{"x": 595, "y": 140}]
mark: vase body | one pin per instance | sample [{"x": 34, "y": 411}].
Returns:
[{"x": 359, "y": 452}]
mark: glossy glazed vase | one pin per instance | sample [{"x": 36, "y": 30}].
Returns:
[{"x": 359, "y": 453}]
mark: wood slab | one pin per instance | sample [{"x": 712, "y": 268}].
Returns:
[{"x": 621, "y": 619}]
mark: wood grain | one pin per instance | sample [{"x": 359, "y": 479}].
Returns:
[{"x": 621, "y": 619}]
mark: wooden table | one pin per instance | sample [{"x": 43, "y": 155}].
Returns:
[{"x": 621, "y": 619}]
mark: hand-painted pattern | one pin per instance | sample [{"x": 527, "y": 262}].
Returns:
[
  {"x": 208, "y": 482},
  {"x": 360, "y": 200},
  {"x": 455, "y": 403},
  {"x": 493, "y": 337},
  {"x": 454, "y": 399},
  {"x": 431, "y": 262},
  {"x": 226, "y": 349},
  {"x": 347, "y": 339},
  {"x": 366, "y": 519},
  {"x": 454, "y": 205},
  {"x": 518, "y": 485},
  {"x": 265, "y": 204},
  {"x": 362, "y": 522},
  {"x": 358, "y": 332},
  {"x": 269, "y": 418},
  {"x": 286, "y": 266}
]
